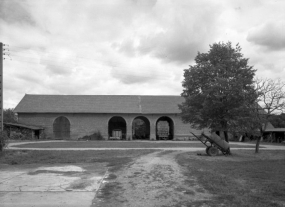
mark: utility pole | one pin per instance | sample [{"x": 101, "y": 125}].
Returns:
[{"x": 1, "y": 86}]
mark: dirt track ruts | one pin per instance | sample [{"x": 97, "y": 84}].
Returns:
[{"x": 152, "y": 180}]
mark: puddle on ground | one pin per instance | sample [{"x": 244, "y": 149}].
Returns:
[
  {"x": 51, "y": 178},
  {"x": 67, "y": 168}
]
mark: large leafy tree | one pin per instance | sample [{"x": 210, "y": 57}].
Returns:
[{"x": 218, "y": 89}]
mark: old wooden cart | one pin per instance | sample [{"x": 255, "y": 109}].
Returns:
[{"x": 213, "y": 144}]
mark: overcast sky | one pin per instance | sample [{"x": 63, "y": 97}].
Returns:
[{"x": 133, "y": 47}]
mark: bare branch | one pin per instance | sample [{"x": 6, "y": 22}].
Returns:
[{"x": 271, "y": 94}]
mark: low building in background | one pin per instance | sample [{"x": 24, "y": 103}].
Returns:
[
  {"x": 21, "y": 131},
  {"x": 113, "y": 116}
]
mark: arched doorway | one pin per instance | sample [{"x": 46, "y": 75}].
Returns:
[
  {"x": 61, "y": 128},
  {"x": 164, "y": 128},
  {"x": 117, "y": 127},
  {"x": 141, "y": 128}
]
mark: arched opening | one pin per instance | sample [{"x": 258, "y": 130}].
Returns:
[
  {"x": 141, "y": 128},
  {"x": 61, "y": 128},
  {"x": 164, "y": 128},
  {"x": 117, "y": 128}
]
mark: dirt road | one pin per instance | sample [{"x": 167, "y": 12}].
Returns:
[{"x": 152, "y": 180}]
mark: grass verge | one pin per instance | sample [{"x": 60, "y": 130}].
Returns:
[
  {"x": 118, "y": 144},
  {"x": 243, "y": 179},
  {"x": 114, "y": 159}
]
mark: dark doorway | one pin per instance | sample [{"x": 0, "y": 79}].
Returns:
[
  {"x": 37, "y": 134},
  {"x": 61, "y": 128},
  {"x": 141, "y": 128},
  {"x": 164, "y": 128},
  {"x": 117, "y": 127}
]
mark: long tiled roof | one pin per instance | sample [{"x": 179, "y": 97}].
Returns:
[{"x": 134, "y": 104}]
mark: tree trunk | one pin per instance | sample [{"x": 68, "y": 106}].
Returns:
[
  {"x": 259, "y": 138},
  {"x": 227, "y": 140},
  {"x": 226, "y": 136},
  {"x": 257, "y": 144},
  {"x": 262, "y": 129},
  {"x": 224, "y": 125}
]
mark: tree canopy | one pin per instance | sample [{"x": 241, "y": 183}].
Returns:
[
  {"x": 218, "y": 89},
  {"x": 9, "y": 116}
]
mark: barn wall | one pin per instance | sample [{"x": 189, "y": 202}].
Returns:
[
  {"x": 44, "y": 120},
  {"x": 87, "y": 124},
  {"x": 80, "y": 124},
  {"x": 183, "y": 130}
]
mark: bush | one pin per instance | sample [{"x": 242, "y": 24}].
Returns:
[
  {"x": 95, "y": 136},
  {"x": 3, "y": 140},
  {"x": 16, "y": 135},
  {"x": 20, "y": 134}
]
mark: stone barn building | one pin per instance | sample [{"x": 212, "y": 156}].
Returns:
[{"x": 115, "y": 116}]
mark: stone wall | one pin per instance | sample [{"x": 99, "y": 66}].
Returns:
[
  {"x": 87, "y": 124},
  {"x": 17, "y": 132}
]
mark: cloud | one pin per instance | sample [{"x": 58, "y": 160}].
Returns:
[
  {"x": 133, "y": 76},
  {"x": 174, "y": 33},
  {"x": 15, "y": 12},
  {"x": 128, "y": 46},
  {"x": 137, "y": 70},
  {"x": 171, "y": 47},
  {"x": 29, "y": 78},
  {"x": 58, "y": 61},
  {"x": 270, "y": 35},
  {"x": 22, "y": 37}
]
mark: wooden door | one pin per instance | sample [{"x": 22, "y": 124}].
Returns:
[{"x": 61, "y": 128}]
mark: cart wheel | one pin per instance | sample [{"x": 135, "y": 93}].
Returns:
[
  {"x": 213, "y": 151},
  {"x": 207, "y": 149}
]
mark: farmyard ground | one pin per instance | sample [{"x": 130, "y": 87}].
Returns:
[{"x": 149, "y": 177}]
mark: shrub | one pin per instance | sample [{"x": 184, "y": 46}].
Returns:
[
  {"x": 3, "y": 140},
  {"x": 95, "y": 136},
  {"x": 16, "y": 135}
]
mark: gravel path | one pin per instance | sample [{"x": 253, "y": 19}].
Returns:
[{"x": 152, "y": 180}]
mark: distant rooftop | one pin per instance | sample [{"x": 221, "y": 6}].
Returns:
[
  {"x": 131, "y": 104},
  {"x": 23, "y": 126},
  {"x": 275, "y": 129}
]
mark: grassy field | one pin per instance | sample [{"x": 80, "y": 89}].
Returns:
[
  {"x": 267, "y": 143},
  {"x": 119, "y": 144},
  {"x": 243, "y": 179},
  {"x": 114, "y": 159}
]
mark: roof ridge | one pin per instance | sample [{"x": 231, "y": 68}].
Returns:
[{"x": 98, "y": 104}]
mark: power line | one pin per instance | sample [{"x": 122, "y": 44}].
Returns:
[
  {"x": 117, "y": 72},
  {"x": 75, "y": 56},
  {"x": 117, "y": 64},
  {"x": 55, "y": 64}
]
